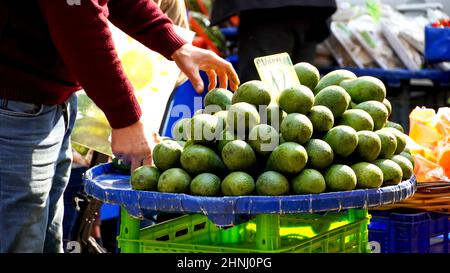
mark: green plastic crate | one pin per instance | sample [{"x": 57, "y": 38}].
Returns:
[{"x": 333, "y": 232}]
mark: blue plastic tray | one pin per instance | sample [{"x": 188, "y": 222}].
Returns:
[{"x": 103, "y": 183}]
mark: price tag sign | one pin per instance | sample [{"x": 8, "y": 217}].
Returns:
[{"x": 277, "y": 71}]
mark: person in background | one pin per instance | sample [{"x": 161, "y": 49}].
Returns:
[
  {"x": 177, "y": 12},
  {"x": 274, "y": 26},
  {"x": 49, "y": 50}
]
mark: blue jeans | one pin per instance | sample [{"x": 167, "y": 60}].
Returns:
[{"x": 35, "y": 161}]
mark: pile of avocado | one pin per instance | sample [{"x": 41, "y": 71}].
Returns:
[{"x": 327, "y": 134}]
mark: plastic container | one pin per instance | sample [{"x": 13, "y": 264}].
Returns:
[
  {"x": 333, "y": 232},
  {"x": 410, "y": 231},
  {"x": 437, "y": 44}
]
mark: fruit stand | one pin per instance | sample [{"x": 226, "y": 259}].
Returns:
[{"x": 289, "y": 163}]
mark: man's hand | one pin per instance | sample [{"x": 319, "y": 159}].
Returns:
[
  {"x": 191, "y": 59},
  {"x": 133, "y": 145}
]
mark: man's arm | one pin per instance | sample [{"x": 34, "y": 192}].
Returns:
[
  {"x": 81, "y": 35},
  {"x": 144, "y": 21}
]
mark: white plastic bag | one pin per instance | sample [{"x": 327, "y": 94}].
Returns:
[
  {"x": 339, "y": 53},
  {"x": 392, "y": 25},
  {"x": 407, "y": 54},
  {"x": 351, "y": 45},
  {"x": 369, "y": 35}
]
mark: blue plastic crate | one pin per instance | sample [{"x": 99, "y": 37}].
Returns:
[
  {"x": 410, "y": 231},
  {"x": 437, "y": 44},
  {"x": 183, "y": 98}
]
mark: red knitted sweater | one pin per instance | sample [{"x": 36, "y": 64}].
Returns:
[{"x": 51, "y": 48}]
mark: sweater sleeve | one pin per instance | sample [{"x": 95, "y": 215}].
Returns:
[
  {"x": 145, "y": 22},
  {"x": 82, "y": 37}
]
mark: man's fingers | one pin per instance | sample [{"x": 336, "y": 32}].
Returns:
[
  {"x": 139, "y": 161},
  {"x": 196, "y": 80},
  {"x": 223, "y": 79},
  {"x": 156, "y": 137},
  {"x": 122, "y": 157},
  {"x": 212, "y": 77},
  {"x": 234, "y": 85},
  {"x": 226, "y": 73},
  {"x": 135, "y": 163},
  {"x": 148, "y": 161},
  {"x": 233, "y": 77}
]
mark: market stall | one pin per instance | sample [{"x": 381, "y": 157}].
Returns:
[{"x": 306, "y": 204}]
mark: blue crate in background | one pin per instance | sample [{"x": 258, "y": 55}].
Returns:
[
  {"x": 182, "y": 104},
  {"x": 233, "y": 59},
  {"x": 410, "y": 231},
  {"x": 230, "y": 32},
  {"x": 437, "y": 44},
  {"x": 185, "y": 97}
]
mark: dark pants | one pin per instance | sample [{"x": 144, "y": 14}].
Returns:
[
  {"x": 294, "y": 30},
  {"x": 74, "y": 187}
]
